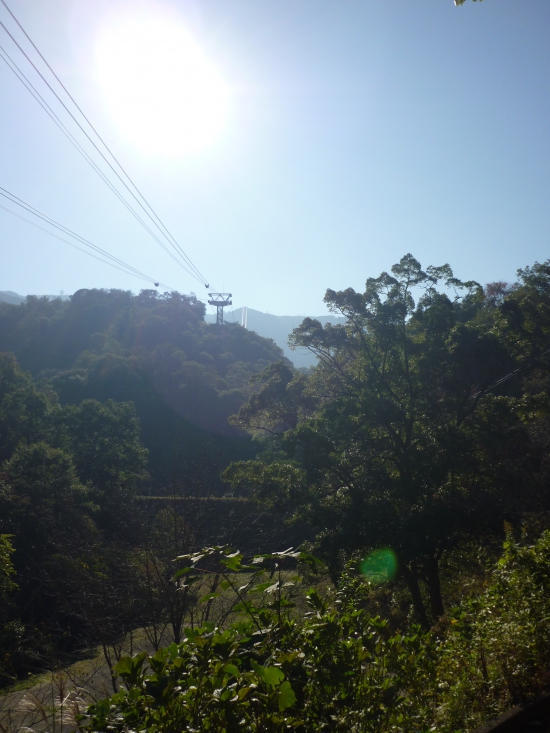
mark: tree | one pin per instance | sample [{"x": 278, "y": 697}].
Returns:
[
  {"x": 280, "y": 404},
  {"x": 25, "y": 412},
  {"x": 523, "y": 323},
  {"x": 103, "y": 439},
  {"x": 42, "y": 503},
  {"x": 48, "y": 512},
  {"x": 7, "y": 586},
  {"x": 101, "y": 591},
  {"x": 7, "y": 570},
  {"x": 406, "y": 448}
]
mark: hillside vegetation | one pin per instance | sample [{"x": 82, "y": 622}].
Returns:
[
  {"x": 402, "y": 463},
  {"x": 123, "y": 396},
  {"x": 184, "y": 377}
]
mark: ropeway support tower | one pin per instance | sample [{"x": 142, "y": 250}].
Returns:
[{"x": 221, "y": 301}]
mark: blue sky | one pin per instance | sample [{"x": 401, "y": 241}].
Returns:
[{"x": 357, "y": 131}]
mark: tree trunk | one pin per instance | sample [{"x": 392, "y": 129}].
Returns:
[
  {"x": 109, "y": 659},
  {"x": 414, "y": 590},
  {"x": 434, "y": 588}
]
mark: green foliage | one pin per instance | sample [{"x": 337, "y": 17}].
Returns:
[
  {"x": 336, "y": 668},
  {"x": 104, "y": 442},
  {"x": 393, "y": 441},
  {"x": 41, "y": 500},
  {"x": 497, "y": 649},
  {"x": 184, "y": 376},
  {"x": 85, "y": 543},
  {"x": 280, "y": 404},
  {"x": 24, "y": 410},
  {"x": 66, "y": 474},
  {"x": 16, "y": 652},
  {"x": 6, "y": 569},
  {"x": 426, "y": 423}
]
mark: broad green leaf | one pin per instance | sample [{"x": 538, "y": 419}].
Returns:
[
  {"x": 286, "y": 697},
  {"x": 272, "y": 676},
  {"x": 231, "y": 669}
]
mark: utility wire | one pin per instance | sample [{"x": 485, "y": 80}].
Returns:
[
  {"x": 71, "y": 244},
  {"x": 197, "y": 274},
  {"x": 114, "y": 261},
  {"x": 48, "y": 219},
  {"x": 509, "y": 375},
  {"x": 20, "y": 74},
  {"x": 101, "y": 139},
  {"x": 4, "y": 55}
]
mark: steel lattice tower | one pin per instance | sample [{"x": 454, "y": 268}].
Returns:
[{"x": 220, "y": 300}]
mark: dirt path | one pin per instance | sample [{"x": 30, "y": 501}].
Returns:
[{"x": 49, "y": 703}]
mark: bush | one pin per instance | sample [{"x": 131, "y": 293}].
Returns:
[
  {"x": 337, "y": 668},
  {"x": 497, "y": 650}
]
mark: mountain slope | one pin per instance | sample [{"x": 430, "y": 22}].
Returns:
[
  {"x": 8, "y": 296},
  {"x": 185, "y": 376}
]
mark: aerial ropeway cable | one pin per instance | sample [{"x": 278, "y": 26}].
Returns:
[
  {"x": 167, "y": 232},
  {"x": 111, "y": 259},
  {"x": 182, "y": 258},
  {"x": 46, "y": 107},
  {"x": 43, "y": 103}
]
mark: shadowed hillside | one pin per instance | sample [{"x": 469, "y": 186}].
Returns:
[{"x": 185, "y": 376}]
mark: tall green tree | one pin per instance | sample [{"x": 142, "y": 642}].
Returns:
[
  {"x": 103, "y": 439},
  {"x": 42, "y": 503},
  {"x": 25, "y": 411},
  {"x": 406, "y": 448}
]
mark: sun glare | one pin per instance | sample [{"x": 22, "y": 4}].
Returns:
[{"x": 165, "y": 95}]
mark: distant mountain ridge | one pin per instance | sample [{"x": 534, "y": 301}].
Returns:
[
  {"x": 8, "y": 296},
  {"x": 277, "y": 328}
]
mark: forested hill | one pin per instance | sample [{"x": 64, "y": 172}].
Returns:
[
  {"x": 185, "y": 377},
  {"x": 267, "y": 325}
]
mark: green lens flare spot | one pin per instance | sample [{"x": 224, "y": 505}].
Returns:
[{"x": 379, "y": 567}]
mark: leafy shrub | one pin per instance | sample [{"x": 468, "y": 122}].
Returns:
[
  {"x": 337, "y": 668},
  {"x": 497, "y": 650}
]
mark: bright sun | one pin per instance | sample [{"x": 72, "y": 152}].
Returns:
[{"x": 165, "y": 95}]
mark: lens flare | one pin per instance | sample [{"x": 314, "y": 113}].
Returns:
[{"x": 379, "y": 567}]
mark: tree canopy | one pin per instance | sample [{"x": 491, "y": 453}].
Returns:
[
  {"x": 184, "y": 376},
  {"x": 401, "y": 437}
]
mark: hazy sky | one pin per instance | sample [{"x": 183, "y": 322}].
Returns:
[{"x": 354, "y": 132}]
